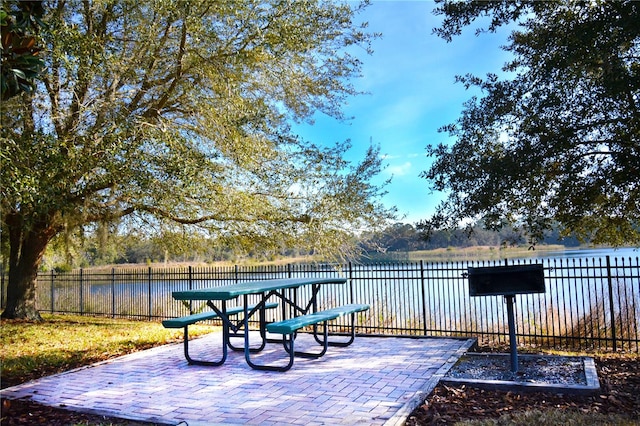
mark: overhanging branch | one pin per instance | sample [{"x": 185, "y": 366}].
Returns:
[{"x": 303, "y": 218}]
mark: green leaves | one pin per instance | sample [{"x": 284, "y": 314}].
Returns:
[
  {"x": 559, "y": 141},
  {"x": 21, "y": 63}
]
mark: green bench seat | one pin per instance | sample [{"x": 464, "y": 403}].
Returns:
[
  {"x": 348, "y": 309},
  {"x": 187, "y": 320},
  {"x": 292, "y": 325},
  {"x": 203, "y": 316},
  {"x": 289, "y": 327}
]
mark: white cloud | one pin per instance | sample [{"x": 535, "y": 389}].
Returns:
[{"x": 400, "y": 169}]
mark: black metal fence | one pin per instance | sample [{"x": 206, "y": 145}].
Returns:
[{"x": 588, "y": 303}]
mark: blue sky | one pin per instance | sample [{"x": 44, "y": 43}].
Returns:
[{"x": 412, "y": 92}]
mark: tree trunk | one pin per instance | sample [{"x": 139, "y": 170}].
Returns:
[
  {"x": 21, "y": 298},
  {"x": 26, "y": 250}
]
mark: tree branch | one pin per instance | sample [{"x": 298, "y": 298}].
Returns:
[
  {"x": 149, "y": 68},
  {"x": 155, "y": 110},
  {"x": 304, "y": 218}
]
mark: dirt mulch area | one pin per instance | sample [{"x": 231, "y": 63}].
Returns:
[
  {"x": 619, "y": 381},
  {"x": 620, "y": 394},
  {"x": 25, "y": 412}
]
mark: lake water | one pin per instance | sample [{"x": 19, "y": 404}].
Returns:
[{"x": 590, "y": 253}]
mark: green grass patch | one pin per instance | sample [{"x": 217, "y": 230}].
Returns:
[{"x": 30, "y": 350}]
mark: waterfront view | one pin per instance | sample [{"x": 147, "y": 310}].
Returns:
[{"x": 591, "y": 297}]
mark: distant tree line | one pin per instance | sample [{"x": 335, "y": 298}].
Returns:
[
  {"x": 406, "y": 237},
  {"x": 103, "y": 246},
  {"x": 106, "y": 246}
]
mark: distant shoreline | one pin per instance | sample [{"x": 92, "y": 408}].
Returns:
[
  {"x": 480, "y": 253},
  {"x": 449, "y": 254},
  {"x": 483, "y": 252}
]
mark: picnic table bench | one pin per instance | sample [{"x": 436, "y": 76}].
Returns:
[
  {"x": 187, "y": 320},
  {"x": 289, "y": 327}
]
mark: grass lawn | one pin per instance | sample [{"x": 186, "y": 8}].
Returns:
[{"x": 30, "y": 350}]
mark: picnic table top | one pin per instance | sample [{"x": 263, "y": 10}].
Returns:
[{"x": 231, "y": 291}]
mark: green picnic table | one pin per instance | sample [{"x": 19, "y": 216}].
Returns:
[{"x": 304, "y": 313}]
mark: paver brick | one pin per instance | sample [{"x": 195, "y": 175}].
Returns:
[{"x": 365, "y": 383}]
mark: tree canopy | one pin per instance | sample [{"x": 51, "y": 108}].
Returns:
[
  {"x": 559, "y": 138},
  {"x": 160, "y": 115}
]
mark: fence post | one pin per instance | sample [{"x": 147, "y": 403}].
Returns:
[
  {"x": 113, "y": 292},
  {"x": 190, "y": 288},
  {"x": 351, "y": 283},
  {"x": 149, "y": 282},
  {"x": 424, "y": 298},
  {"x": 611, "y": 305},
  {"x": 52, "y": 290},
  {"x": 236, "y": 273},
  {"x": 81, "y": 294}
]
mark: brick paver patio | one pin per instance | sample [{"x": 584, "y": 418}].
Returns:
[{"x": 375, "y": 381}]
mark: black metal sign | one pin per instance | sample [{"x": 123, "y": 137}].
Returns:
[{"x": 506, "y": 280}]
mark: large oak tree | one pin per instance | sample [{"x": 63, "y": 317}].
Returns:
[
  {"x": 558, "y": 139},
  {"x": 168, "y": 113}
]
